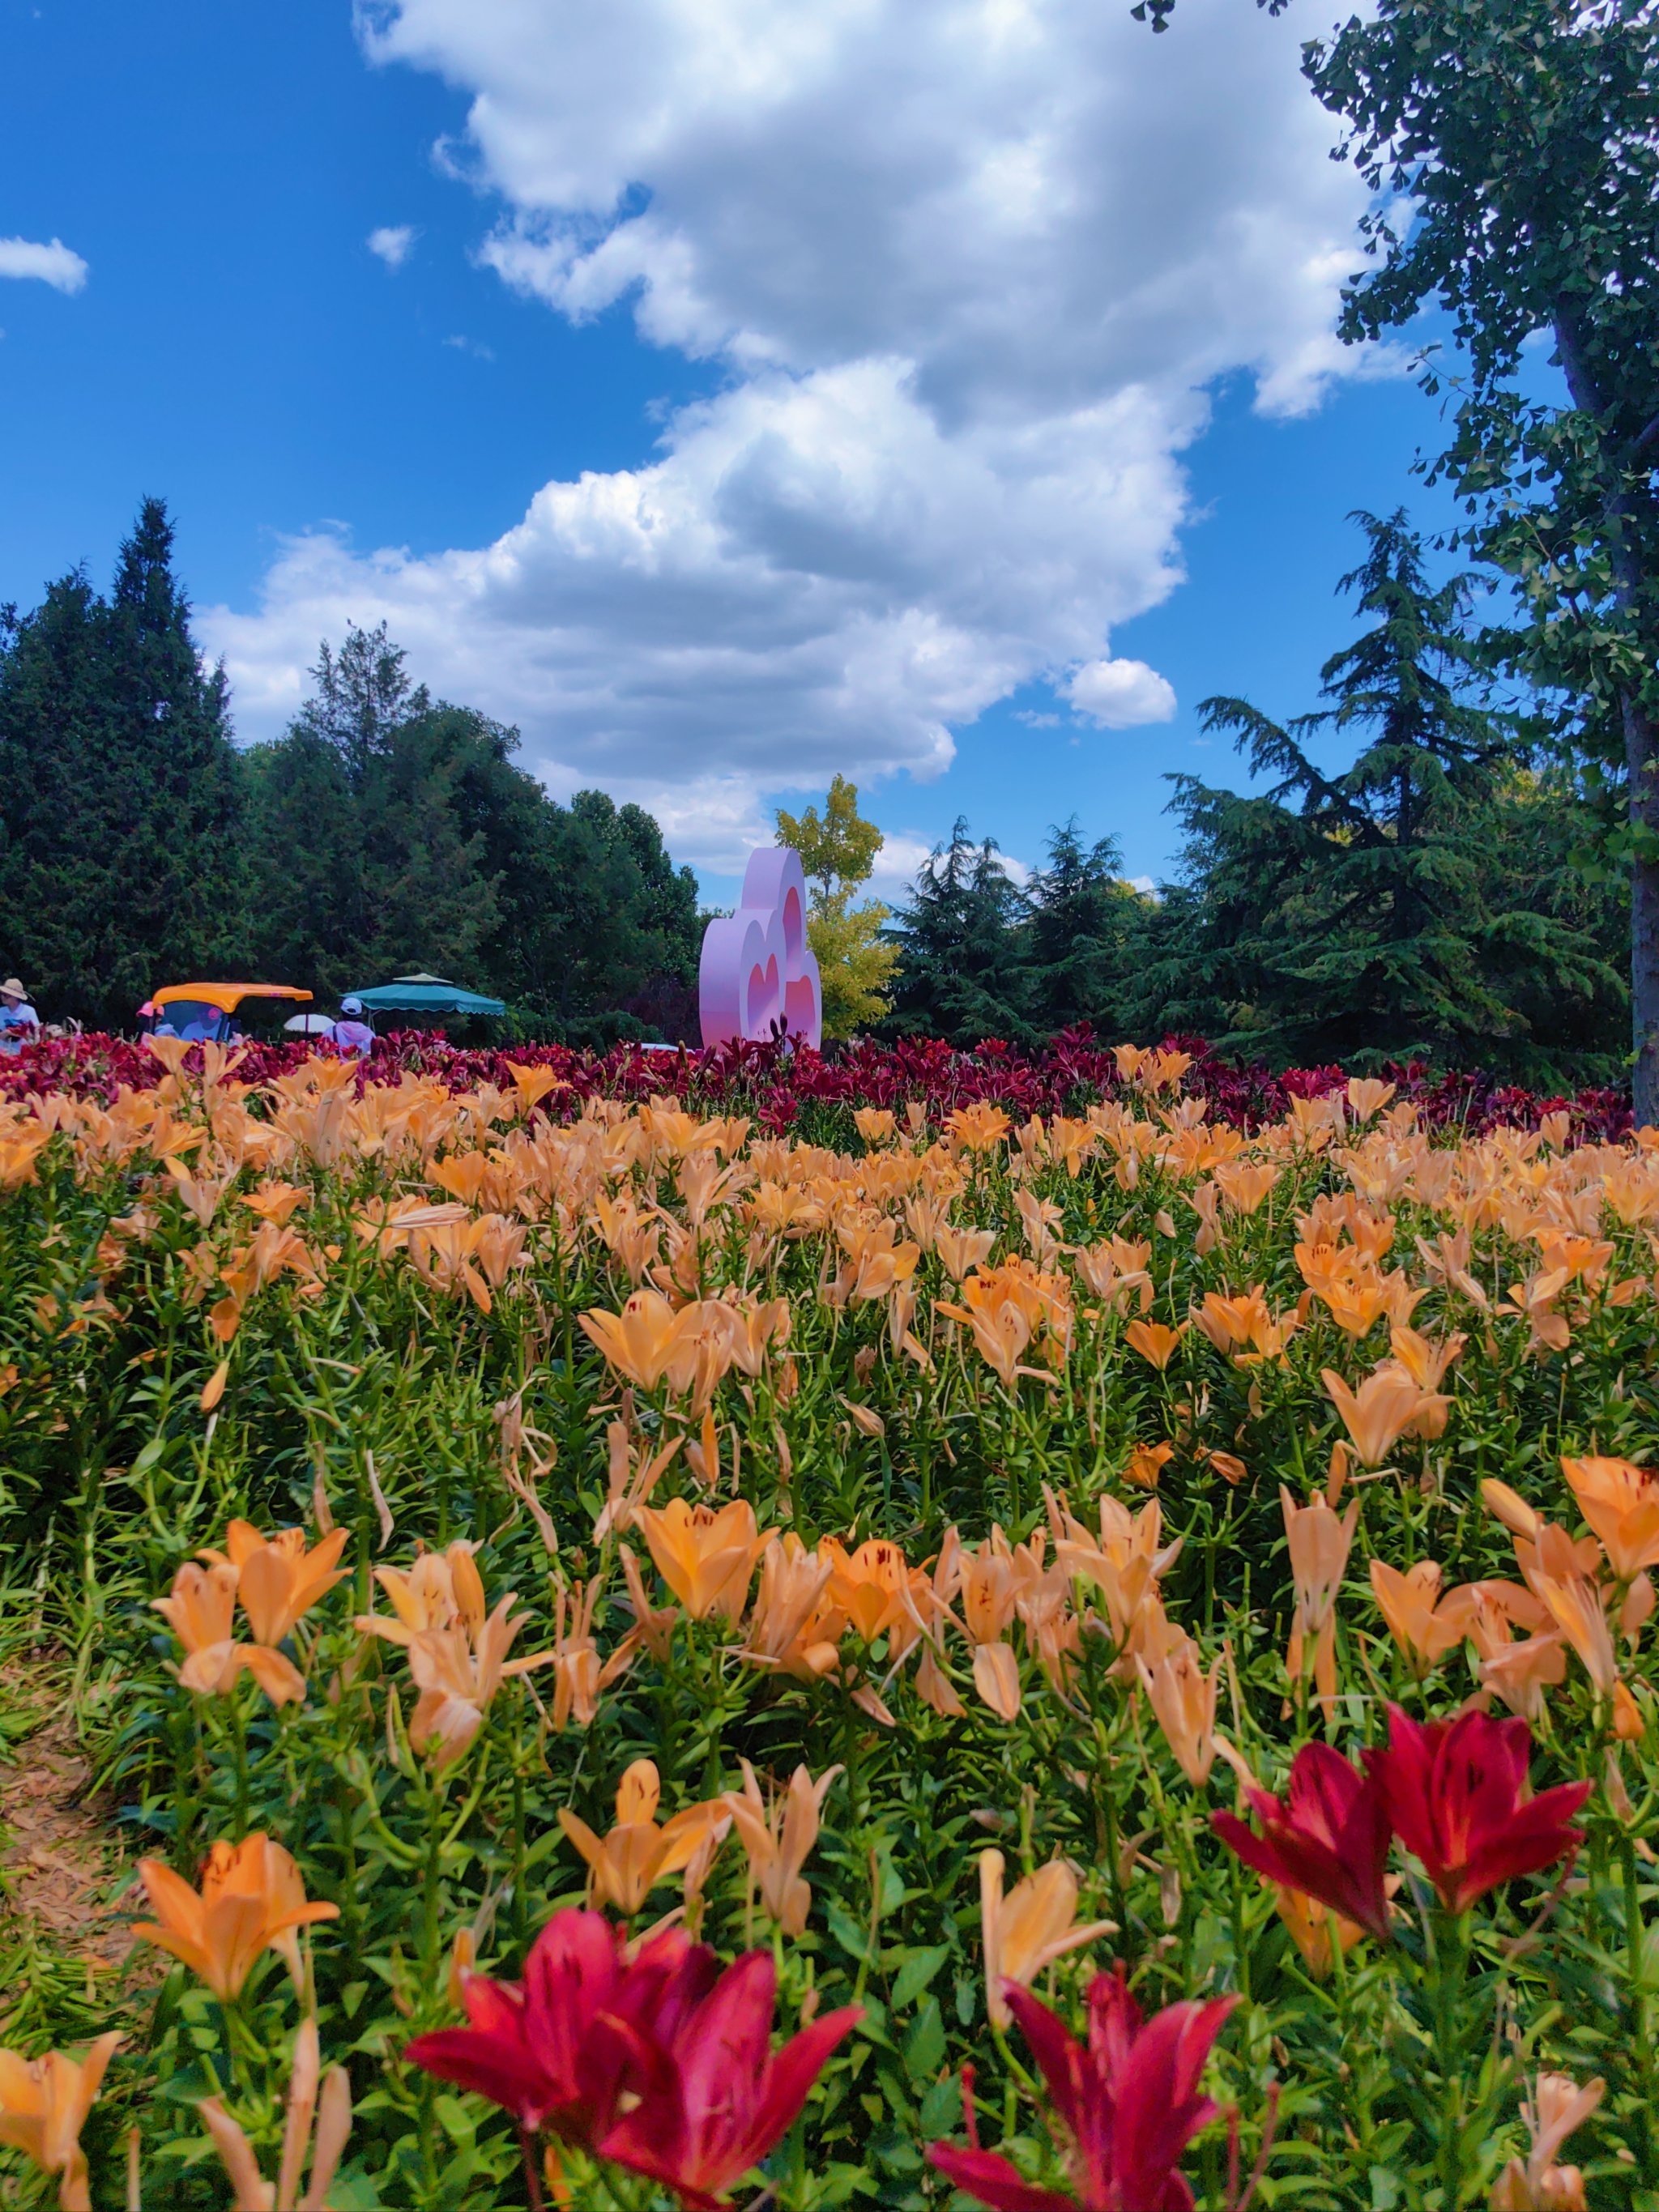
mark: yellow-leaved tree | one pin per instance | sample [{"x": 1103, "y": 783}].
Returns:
[{"x": 838, "y": 851}]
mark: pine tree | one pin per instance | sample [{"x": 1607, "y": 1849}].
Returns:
[
  {"x": 1356, "y": 914},
  {"x": 122, "y": 828},
  {"x": 1083, "y": 917},
  {"x": 392, "y": 832},
  {"x": 176, "y": 770},
  {"x": 960, "y": 974}
]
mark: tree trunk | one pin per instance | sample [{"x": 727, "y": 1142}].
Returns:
[
  {"x": 1642, "y": 759},
  {"x": 1641, "y": 731}
]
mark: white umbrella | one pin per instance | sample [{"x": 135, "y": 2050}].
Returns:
[{"x": 310, "y": 1025}]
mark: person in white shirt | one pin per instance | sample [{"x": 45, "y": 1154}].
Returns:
[
  {"x": 351, "y": 1032},
  {"x": 19, "y": 1022}
]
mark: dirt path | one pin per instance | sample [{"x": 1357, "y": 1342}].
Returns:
[{"x": 59, "y": 1864}]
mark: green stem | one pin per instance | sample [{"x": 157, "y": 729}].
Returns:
[
  {"x": 239, "y": 1742},
  {"x": 1450, "y": 1954}
]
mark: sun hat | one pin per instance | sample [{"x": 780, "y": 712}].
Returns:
[
  {"x": 11, "y": 988},
  {"x": 351, "y": 1005},
  {"x": 147, "y": 1009}
]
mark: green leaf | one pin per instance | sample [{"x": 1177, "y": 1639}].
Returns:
[
  {"x": 924, "y": 2046},
  {"x": 916, "y": 1972}
]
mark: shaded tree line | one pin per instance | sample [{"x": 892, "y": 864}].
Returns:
[
  {"x": 385, "y": 831},
  {"x": 1430, "y": 898}
]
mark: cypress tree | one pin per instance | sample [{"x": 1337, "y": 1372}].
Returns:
[
  {"x": 1082, "y": 917},
  {"x": 960, "y": 974},
  {"x": 1363, "y": 913},
  {"x": 122, "y": 825}
]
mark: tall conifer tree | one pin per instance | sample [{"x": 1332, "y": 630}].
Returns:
[{"x": 120, "y": 837}]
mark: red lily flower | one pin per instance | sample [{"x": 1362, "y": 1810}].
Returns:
[
  {"x": 719, "y": 2097},
  {"x": 1127, "y": 2100},
  {"x": 556, "y": 2049},
  {"x": 1328, "y": 1836},
  {"x": 1455, "y": 1791}
]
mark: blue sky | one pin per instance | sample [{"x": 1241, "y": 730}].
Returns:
[{"x": 938, "y": 458}]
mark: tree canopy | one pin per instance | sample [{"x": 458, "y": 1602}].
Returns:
[
  {"x": 838, "y": 853},
  {"x": 120, "y": 829},
  {"x": 384, "y": 831}
]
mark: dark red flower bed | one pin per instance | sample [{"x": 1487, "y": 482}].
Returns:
[{"x": 1074, "y": 1070}]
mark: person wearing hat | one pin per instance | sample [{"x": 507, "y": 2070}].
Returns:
[
  {"x": 351, "y": 1033},
  {"x": 18, "y": 1020}
]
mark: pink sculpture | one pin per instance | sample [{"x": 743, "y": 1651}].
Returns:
[{"x": 758, "y": 977}]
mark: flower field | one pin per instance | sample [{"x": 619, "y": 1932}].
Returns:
[{"x": 931, "y": 1630}]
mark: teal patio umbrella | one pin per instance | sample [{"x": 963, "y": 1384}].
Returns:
[{"x": 426, "y": 994}]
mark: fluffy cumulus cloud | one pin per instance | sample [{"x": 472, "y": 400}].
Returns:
[
  {"x": 54, "y": 263},
  {"x": 1121, "y": 694},
  {"x": 967, "y": 268}
]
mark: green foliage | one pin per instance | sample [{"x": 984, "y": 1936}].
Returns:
[
  {"x": 980, "y": 957},
  {"x": 962, "y": 969},
  {"x": 119, "y": 829},
  {"x": 1083, "y": 921},
  {"x": 1523, "y": 137},
  {"x": 415, "y": 1416},
  {"x": 393, "y": 833},
  {"x": 1416, "y": 902},
  {"x": 855, "y": 960}
]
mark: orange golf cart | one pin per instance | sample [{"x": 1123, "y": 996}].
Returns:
[{"x": 204, "y": 1013}]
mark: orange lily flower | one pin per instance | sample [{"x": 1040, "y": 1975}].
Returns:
[
  {"x": 458, "y": 1671},
  {"x": 1577, "y": 1608},
  {"x": 1558, "y": 2106},
  {"x": 1368, "y": 1096},
  {"x": 252, "y": 1900},
  {"x": 579, "y": 1678},
  {"x": 961, "y": 1250},
  {"x": 1154, "y": 1340},
  {"x": 872, "y": 1586},
  {"x": 1319, "y": 1544},
  {"x": 1621, "y": 1503},
  {"x": 1309, "y": 1923},
  {"x": 1377, "y": 1416},
  {"x": 1424, "y": 1623},
  {"x": 1244, "y": 1185},
  {"x": 978, "y": 1128},
  {"x": 778, "y": 1837},
  {"x": 653, "y": 1626},
  {"x": 992, "y": 1577},
  {"x": 442, "y": 1589},
  {"x": 332, "y": 2114},
  {"x": 1184, "y": 1703},
  {"x": 640, "y": 1341},
  {"x": 1029, "y": 1928},
  {"x": 1520, "y": 1672},
  {"x": 1146, "y": 1463},
  {"x": 44, "y": 2103},
  {"x": 705, "y": 1555},
  {"x": 794, "y": 1627},
  {"x": 629, "y": 1484},
  {"x": 277, "y": 1201},
  {"x": 200, "y": 1610},
  {"x": 1423, "y": 1359},
  {"x": 626, "y": 1866},
  {"x": 277, "y": 1579}
]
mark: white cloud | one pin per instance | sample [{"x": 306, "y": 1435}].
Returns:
[
  {"x": 1121, "y": 694},
  {"x": 896, "y": 867},
  {"x": 967, "y": 268},
  {"x": 54, "y": 264},
  {"x": 476, "y": 347},
  {"x": 394, "y": 242}
]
